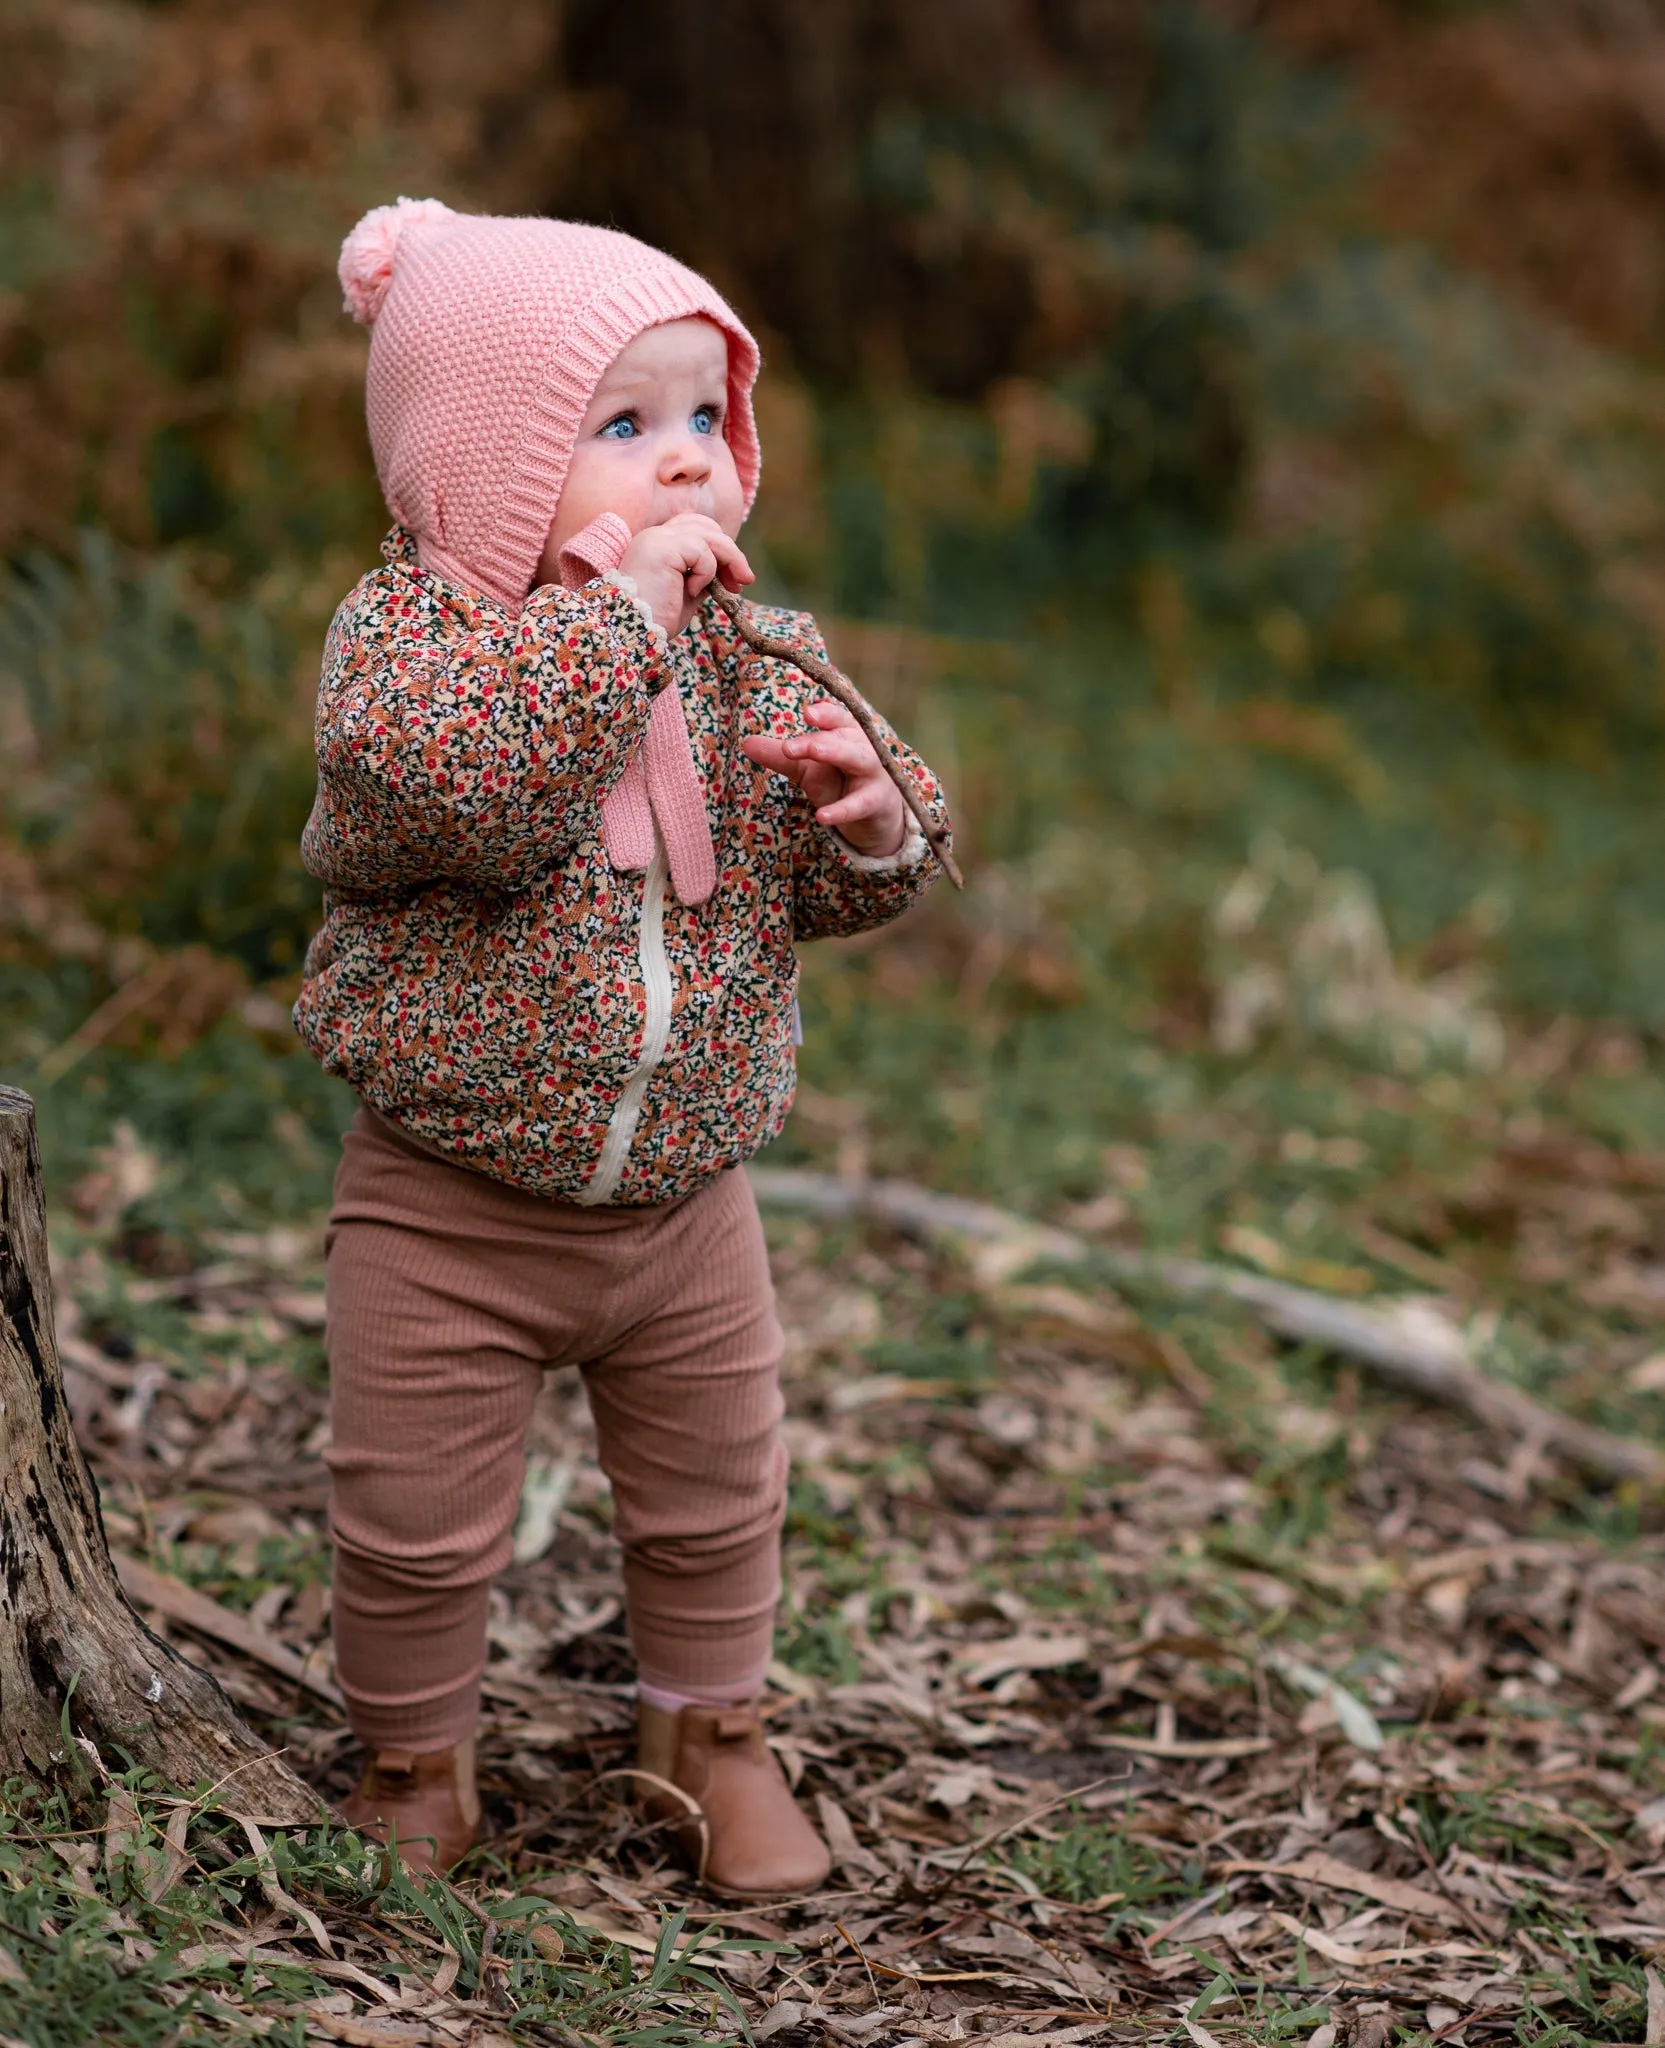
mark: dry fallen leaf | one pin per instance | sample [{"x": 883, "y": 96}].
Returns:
[
  {"x": 847, "y": 1852},
  {"x": 1352, "y": 1958},
  {"x": 1317, "y": 1868},
  {"x": 168, "y": 1868},
  {"x": 984, "y": 1662},
  {"x": 122, "y": 1826}
]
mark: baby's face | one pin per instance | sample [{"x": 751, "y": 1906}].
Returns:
[{"x": 651, "y": 444}]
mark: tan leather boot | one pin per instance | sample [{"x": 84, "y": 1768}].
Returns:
[
  {"x": 739, "y": 1825},
  {"x": 429, "y": 1806}
]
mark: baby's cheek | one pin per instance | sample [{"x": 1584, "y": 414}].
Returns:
[
  {"x": 604, "y": 476},
  {"x": 728, "y": 500}
]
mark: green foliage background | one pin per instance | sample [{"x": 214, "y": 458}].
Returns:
[
  {"x": 1231, "y": 444},
  {"x": 1183, "y": 487}
]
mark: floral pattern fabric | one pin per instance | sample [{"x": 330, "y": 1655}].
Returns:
[{"x": 478, "y": 977}]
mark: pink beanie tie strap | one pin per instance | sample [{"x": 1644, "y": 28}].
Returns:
[
  {"x": 660, "y": 782},
  {"x": 678, "y": 803},
  {"x": 597, "y": 551},
  {"x": 627, "y": 816}
]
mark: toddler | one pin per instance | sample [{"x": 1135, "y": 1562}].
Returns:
[{"x": 569, "y": 829}]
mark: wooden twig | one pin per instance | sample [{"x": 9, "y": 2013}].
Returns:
[
  {"x": 1400, "y": 1342},
  {"x": 838, "y": 685}
]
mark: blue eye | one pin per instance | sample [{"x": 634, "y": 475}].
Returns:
[
  {"x": 624, "y": 428},
  {"x": 703, "y": 419}
]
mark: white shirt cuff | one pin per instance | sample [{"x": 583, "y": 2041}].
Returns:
[
  {"x": 908, "y": 855},
  {"x": 627, "y": 584}
]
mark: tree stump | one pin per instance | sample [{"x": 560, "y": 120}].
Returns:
[{"x": 67, "y": 1632}]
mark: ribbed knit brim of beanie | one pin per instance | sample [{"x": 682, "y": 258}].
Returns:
[{"x": 488, "y": 336}]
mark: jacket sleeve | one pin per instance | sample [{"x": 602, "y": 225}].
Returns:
[
  {"x": 441, "y": 755},
  {"x": 836, "y": 890}
]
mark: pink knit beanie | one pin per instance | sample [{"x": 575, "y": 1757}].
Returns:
[{"x": 488, "y": 338}]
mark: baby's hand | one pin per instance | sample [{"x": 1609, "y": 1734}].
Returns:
[
  {"x": 836, "y": 768},
  {"x": 672, "y": 564}
]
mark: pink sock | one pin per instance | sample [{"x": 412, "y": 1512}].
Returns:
[{"x": 673, "y": 1702}]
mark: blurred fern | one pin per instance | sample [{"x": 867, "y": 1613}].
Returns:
[{"x": 157, "y": 766}]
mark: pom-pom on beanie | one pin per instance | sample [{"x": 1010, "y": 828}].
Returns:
[{"x": 488, "y": 336}]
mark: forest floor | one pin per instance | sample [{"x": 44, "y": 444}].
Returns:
[
  {"x": 1151, "y": 1679},
  {"x": 1150, "y": 1682}
]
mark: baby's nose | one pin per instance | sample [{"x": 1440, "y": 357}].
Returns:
[{"x": 685, "y": 461}]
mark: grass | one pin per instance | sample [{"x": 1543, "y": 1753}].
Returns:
[
  {"x": 106, "y": 1937},
  {"x": 1093, "y": 1860},
  {"x": 142, "y": 1934}
]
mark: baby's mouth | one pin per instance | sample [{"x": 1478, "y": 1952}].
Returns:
[{"x": 676, "y": 501}]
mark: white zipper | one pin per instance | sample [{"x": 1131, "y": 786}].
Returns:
[{"x": 656, "y": 1031}]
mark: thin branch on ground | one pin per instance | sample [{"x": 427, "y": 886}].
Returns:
[{"x": 1401, "y": 1342}]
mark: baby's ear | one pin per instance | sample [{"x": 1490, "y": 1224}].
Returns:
[{"x": 366, "y": 265}]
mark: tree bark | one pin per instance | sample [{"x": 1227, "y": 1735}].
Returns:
[{"x": 67, "y": 1632}]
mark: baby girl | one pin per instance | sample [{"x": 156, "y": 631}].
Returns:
[{"x": 569, "y": 829}]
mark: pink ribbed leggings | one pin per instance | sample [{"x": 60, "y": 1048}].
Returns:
[{"x": 449, "y": 1297}]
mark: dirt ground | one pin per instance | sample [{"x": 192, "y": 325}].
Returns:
[{"x": 1121, "y": 1720}]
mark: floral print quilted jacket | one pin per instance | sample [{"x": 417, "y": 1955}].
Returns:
[{"x": 483, "y": 976}]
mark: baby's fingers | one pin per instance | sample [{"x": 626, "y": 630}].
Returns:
[
  {"x": 718, "y": 556},
  {"x": 699, "y": 565},
  {"x": 708, "y": 551},
  {"x": 786, "y": 757},
  {"x": 857, "y": 801},
  {"x": 845, "y": 748},
  {"x": 735, "y": 569},
  {"x": 818, "y": 783},
  {"x": 769, "y": 753}
]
